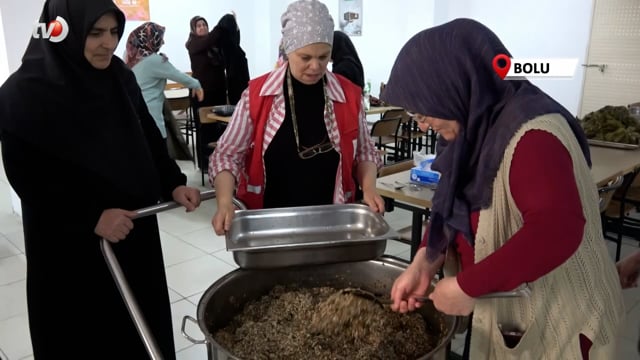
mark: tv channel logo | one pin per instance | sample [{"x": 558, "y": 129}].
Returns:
[{"x": 56, "y": 30}]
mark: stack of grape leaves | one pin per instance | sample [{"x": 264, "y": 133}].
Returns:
[{"x": 613, "y": 124}]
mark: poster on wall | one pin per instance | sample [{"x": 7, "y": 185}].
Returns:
[
  {"x": 134, "y": 9},
  {"x": 350, "y": 17}
]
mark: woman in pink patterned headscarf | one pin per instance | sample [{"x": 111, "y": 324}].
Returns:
[
  {"x": 152, "y": 69},
  {"x": 143, "y": 41}
]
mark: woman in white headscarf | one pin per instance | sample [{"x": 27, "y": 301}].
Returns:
[{"x": 299, "y": 116}]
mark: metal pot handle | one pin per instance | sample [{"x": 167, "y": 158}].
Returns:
[
  {"x": 123, "y": 285},
  {"x": 184, "y": 332}
]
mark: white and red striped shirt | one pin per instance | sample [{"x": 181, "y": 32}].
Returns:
[{"x": 230, "y": 153}]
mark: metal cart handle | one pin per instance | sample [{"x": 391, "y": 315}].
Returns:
[{"x": 123, "y": 285}]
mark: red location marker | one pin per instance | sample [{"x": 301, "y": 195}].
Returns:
[{"x": 501, "y": 65}]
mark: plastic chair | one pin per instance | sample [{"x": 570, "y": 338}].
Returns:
[
  {"x": 611, "y": 223},
  {"x": 202, "y": 158},
  {"x": 395, "y": 168},
  {"x": 385, "y": 132},
  {"x": 182, "y": 106},
  {"x": 409, "y": 135}
]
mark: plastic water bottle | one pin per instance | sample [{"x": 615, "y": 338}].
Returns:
[{"x": 366, "y": 94}]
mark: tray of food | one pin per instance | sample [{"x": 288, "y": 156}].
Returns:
[
  {"x": 612, "y": 126},
  {"x": 280, "y": 237}
]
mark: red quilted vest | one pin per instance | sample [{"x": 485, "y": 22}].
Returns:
[{"x": 251, "y": 187}]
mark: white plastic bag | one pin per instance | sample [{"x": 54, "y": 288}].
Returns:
[{"x": 422, "y": 160}]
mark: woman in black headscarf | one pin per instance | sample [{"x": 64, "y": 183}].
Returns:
[
  {"x": 207, "y": 63},
  {"x": 81, "y": 150},
  {"x": 516, "y": 201},
  {"x": 345, "y": 59}
]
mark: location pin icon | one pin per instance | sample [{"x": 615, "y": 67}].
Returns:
[{"x": 501, "y": 65}]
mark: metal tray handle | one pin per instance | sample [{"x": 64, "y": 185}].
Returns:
[{"x": 123, "y": 285}]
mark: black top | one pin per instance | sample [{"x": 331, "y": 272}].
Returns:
[
  {"x": 346, "y": 61},
  {"x": 218, "y": 61},
  {"x": 235, "y": 59},
  {"x": 77, "y": 141},
  {"x": 290, "y": 180},
  {"x": 98, "y": 125},
  {"x": 207, "y": 66}
]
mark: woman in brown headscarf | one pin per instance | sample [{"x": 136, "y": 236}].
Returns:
[{"x": 207, "y": 64}]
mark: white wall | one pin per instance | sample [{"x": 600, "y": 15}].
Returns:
[
  {"x": 4, "y": 73},
  {"x": 535, "y": 29},
  {"x": 385, "y": 29},
  {"x": 4, "y": 60},
  {"x": 386, "y": 26},
  {"x": 542, "y": 28},
  {"x": 18, "y": 18}
]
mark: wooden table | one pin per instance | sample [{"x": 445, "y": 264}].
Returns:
[
  {"x": 380, "y": 109},
  {"x": 414, "y": 198},
  {"x": 213, "y": 117},
  {"x": 176, "y": 93},
  {"x": 607, "y": 162}
]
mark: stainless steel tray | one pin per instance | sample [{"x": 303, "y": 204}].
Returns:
[
  {"x": 281, "y": 237},
  {"x": 614, "y": 145}
]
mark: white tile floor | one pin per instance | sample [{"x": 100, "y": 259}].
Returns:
[{"x": 195, "y": 258}]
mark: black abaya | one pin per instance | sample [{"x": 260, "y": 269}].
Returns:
[{"x": 75, "y": 142}]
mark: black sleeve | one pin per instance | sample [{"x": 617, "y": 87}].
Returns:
[
  {"x": 43, "y": 180},
  {"x": 350, "y": 71}
]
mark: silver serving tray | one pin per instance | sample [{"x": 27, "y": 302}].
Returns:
[
  {"x": 614, "y": 145},
  {"x": 281, "y": 237}
]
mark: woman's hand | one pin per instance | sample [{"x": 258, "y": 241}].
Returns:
[
  {"x": 115, "y": 224},
  {"x": 374, "y": 200},
  {"x": 224, "y": 184},
  {"x": 629, "y": 270},
  {"x": 222, "y": 218},
  {"x": 198, "y": 94},
  {"x": 414, "y": 281},
  {"x": 449, "y": 298},
  {"x": 186, "y": 196}
]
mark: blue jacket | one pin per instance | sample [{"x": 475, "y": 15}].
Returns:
[{"x": 152, "y": 73}]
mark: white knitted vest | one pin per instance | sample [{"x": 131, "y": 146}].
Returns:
[{"x": 581, "y": 296}]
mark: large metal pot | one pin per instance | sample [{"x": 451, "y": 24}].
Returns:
[{"x": 227, "y": 296}]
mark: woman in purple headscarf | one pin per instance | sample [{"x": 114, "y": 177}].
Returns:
[{"x": 497, "y": 207}]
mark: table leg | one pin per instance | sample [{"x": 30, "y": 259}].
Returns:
[{"x": 416, "y": 232}]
